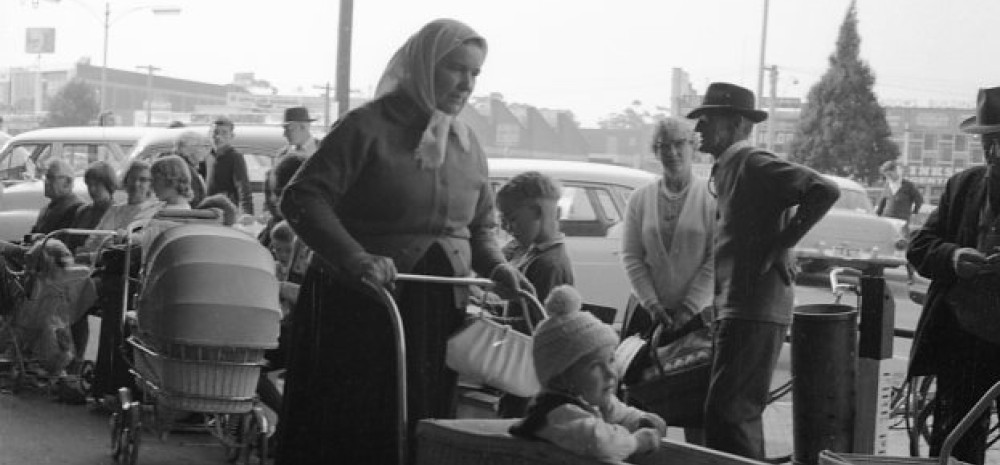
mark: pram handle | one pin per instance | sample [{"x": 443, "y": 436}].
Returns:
[
  {"x": 419, "y": 278},
  {"x": 399, "y": 332}
]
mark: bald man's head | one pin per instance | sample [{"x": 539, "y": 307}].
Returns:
[{"x": 58, "y": 179}]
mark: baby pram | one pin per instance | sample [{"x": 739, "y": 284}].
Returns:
[
  {"x": 207, "y": 310},
  {"x": 36, "y": 312}
]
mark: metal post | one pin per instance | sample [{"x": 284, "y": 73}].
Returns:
[
  {"x": 104, "y": 60},
  {"x": 344, "y": 56},
  {"x": 38, "y": 84},
  {"x": 875, "y": 338},
  {"x": 149, "y": 91},
  {"x": 772, "y": 118},
  {"x": 760, "y": 67}
]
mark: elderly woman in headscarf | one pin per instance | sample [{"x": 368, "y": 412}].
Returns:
[{"x": 398, "y": 184}]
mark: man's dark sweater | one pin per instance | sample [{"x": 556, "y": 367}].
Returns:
[{"x": 229, "y": 176}]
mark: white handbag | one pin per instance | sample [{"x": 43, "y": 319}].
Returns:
[{"x": 494, "y": 353}]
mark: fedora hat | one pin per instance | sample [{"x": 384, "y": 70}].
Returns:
[
  {"x": 729, "y": 98},
  {"x": 987, "y": 117},
  {"x": 300, "y": 114}
]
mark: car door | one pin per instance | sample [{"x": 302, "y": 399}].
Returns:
[{"x": 591, "y": 218}]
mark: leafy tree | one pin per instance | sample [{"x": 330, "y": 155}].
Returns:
[
  {"x": 842, "y": 128},
  {"x": 74, "y": 105},
  {"x": 632, "y": 117}
]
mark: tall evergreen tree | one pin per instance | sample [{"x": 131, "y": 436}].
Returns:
[
  {"x": 74, "y": 105},
  {"x": 842, "y": 129}
]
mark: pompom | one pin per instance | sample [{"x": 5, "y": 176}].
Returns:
[{"x": 563, "y": 300}]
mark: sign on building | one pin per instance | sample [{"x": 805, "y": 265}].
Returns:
[{"x": 40, "y": 40}]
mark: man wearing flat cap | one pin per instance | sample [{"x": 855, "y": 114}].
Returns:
[
  {"x": 297, "y": 133},
  {"x": 958, "y": 333},
  {"x": 754, "y": 266}
]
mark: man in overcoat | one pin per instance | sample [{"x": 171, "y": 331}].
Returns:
[{"x": 953, "y": 246}]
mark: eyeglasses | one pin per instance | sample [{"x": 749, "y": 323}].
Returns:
[{"x": 677, "y": 144}]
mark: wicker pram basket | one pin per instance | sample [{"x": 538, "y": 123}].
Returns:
[{"x": 199, "y": 378}]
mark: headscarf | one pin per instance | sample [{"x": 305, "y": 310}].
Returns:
[{"x": 411, "y": 69}]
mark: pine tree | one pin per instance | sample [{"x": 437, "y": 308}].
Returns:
[
  {"x": 842, "y": 129},
  {"x": 74, "y": 105}
]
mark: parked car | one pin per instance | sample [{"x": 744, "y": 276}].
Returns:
[
  {"x": 25, "y": 155},
  {"x": 851, "y": 229},
  {"x": 593, "y": 208},
  {"x": 20, "y": 203}
]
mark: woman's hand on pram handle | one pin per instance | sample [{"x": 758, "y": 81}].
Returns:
[
  {"x": 373, "y": 269},
  {"x": 509, "y": 281}
]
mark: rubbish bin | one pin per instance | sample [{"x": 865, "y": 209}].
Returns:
[{"x": 824, "y": 367}]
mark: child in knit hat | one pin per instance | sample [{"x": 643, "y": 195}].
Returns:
[{"x": 577, "y": 409}]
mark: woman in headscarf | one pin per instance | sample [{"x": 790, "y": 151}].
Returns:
[{"x": 398, "y": 184}]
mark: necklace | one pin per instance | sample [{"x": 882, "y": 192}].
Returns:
[{"x": 672, "y": 194}]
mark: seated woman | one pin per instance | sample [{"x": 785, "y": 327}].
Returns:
[
  {"x": 58, "y": 295},
  {"x": 171, "y": 184},
  {"x": 138, "y": 205},
  {"x": 101, "y": 185}
]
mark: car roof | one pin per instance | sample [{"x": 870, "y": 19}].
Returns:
[
  {"x": 566, "y": 170},
  {"x": 82, "y": 133},
  {"x": 269, "y": 138},
  {"x": 845, "y": 183}
]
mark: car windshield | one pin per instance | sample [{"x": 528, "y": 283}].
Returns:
[{"x": 853, "y": 200}]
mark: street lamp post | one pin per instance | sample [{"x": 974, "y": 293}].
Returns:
[
  {"x": 107, "y": 21},
  {"x": 157, "y": 10}
]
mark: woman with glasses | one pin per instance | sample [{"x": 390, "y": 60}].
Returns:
[
  {"x": 138, "y": 203},
  {"x": 668, "y": 239}
]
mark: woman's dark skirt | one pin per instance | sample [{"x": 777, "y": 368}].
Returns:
[{"x": 340, "y": 389}]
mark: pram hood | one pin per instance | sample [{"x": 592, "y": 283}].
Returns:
[{"x": 209, "y": 285}]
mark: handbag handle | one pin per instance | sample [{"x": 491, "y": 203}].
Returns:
[
  {"x": 653, "y": 344},
  {"x": 528, "y": 299}
]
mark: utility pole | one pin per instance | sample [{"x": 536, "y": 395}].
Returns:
[
  {"x": 344, "y": 57},
  {"x": 104, "y": 59},
  {"x": 326, "y": 104},
  {"x": 760, "y": 67},
  {"x": 772, "y": 119},
  {"x": 150, "y": 69}
]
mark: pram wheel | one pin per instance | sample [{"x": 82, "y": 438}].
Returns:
[
  {"x": 248, "y": 435},
  {"x": 231, "y": 426},
  {"x": 87, "y": 379},
  {"x": 125, "y": 429}
]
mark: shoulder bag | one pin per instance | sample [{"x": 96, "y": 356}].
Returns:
[{"x": 487, "y": 349}]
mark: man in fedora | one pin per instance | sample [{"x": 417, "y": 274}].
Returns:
[
  {"x": 297, "y": 133},
  {"x": 754, "y": 266},
  {"x": 952, "y": 249}
]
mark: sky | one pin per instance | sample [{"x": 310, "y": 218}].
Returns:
[{"x": 591, "y": 57}]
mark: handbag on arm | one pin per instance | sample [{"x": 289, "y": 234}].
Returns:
[{"x": 488, "y": 349}]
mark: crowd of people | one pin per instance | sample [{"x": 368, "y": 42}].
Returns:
[{"x": 400, "y": 185}]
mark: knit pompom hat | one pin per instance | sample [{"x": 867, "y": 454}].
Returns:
[{"x": 567, "y": 335}]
